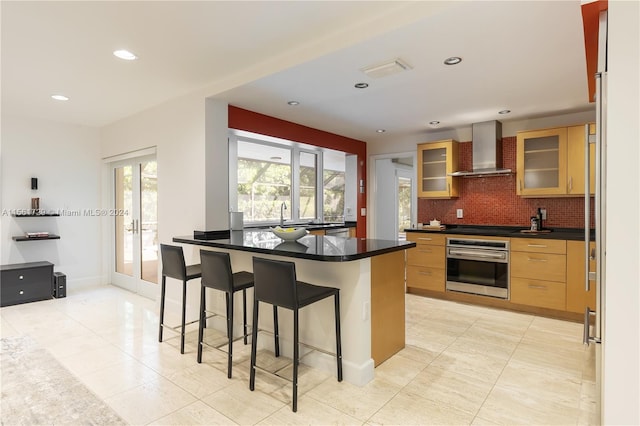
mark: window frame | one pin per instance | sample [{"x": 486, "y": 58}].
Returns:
[{"x": 296, "y": 148}]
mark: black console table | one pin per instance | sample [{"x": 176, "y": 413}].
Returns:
[{"x": 25, "y": 282}]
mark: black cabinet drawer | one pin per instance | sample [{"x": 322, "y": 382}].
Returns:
[{"x": 33, "y": 281}]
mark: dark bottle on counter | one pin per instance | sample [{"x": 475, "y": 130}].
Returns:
[{"x": 539, "y": 220}]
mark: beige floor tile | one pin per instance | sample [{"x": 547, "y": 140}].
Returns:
[
  {"x": 408, "y": 408},
  {"x": 399, "y": 370},
  {"x": 415, "y": 353},
  {"x": 83, "y": 343},
  {"x": 167, "y": 360},
  {"x": 359, "y": 402},
  {"x": 427, "y": 339},
  {"x": 479, "y": 421},
  {"x": 544, "y": 383},
  {"x": 93, "y": 360},
  {"x": 310, "y": 412},
  {"x": 243, "y": 406},
  {"x": 118, "y": 378},
  {"x": 197, "y": 413},
  {"x": 547, "y": 356},
  {"x": 150, "y": 401},
  {"x": 449, "y": 388},
  {"x": 473, "y": 364},
  {"x": 200, "y": 380},
  {"x": 508, "y": 406}
]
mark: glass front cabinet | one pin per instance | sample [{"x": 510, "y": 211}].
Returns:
[
  {"x": 541, "y": 162},
  {"x": 436, "y": 160}
]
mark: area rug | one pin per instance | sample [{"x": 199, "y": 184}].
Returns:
[{"x": 38, "y": 390}]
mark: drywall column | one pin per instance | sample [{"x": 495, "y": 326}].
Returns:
[
  {"x": 621, "y": 336},
  {"x": 216, "y": 165}
]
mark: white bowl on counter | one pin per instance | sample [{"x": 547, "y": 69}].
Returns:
[{"x": 289, "y": 234}]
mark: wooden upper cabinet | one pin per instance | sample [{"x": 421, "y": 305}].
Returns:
[
  {"x": 435, "y": 161},
  {"x": 541, "y": 162},
  {"x": 575, "y": 160}
]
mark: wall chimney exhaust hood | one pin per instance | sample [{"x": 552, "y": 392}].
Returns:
[{"x": 487, "y": 150}]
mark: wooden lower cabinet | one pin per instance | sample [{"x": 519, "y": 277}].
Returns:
[
  {"x": 544, "y": 294},
  {"x": 426, "y": 264},
  {"x": 539, "y": 273},
  {"x": 317, "y": 232},
  {"x": 577, "y": 297}
]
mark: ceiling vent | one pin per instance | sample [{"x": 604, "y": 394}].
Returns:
[{"x": 387, "y": 68}]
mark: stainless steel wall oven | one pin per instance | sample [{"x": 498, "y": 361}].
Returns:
[{"x": 478, "y": 267}]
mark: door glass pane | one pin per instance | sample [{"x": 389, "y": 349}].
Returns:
[
  {"x": 308, "y": 184},
  {"x": 149, "y": 221},
  {"x": 333, "y": 186},
  {"x": 124, "y": 229},
  {"x": 404, "y": 204}
]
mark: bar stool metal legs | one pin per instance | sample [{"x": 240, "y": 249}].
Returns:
[
  {"x": 275, "y": 283},
  {"x": 217, "y": 275},
  {"x": 173, "y": 266}
]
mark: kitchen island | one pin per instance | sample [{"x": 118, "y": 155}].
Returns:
[{"x": 370, "y": 275}]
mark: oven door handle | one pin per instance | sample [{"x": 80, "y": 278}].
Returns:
[{"x": 473, "y": 254}]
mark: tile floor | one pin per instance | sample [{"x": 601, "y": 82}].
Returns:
[{"x": 462, "y": 365}]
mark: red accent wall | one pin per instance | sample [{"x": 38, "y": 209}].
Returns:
[
  {"x": 242, "y": 119},
  {"x": 493, "y": 200}
]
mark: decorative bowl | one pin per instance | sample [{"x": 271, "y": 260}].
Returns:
[{"x": 289, "y": 234}]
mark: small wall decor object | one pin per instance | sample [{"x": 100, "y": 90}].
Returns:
[
  {"x": 34, "y": 183},
  {"x": 35, "y": 205}
]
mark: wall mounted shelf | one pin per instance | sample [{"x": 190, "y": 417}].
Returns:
[{"x": 48, "y": 237}]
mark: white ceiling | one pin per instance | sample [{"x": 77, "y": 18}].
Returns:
[{"x": 524, "y": 56}]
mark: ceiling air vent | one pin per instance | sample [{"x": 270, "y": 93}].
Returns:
[{"x": 387, "y": 68}]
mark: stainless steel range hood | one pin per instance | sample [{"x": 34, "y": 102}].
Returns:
[{"x": 487, "y": 150}]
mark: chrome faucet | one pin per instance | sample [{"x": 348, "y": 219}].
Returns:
[{"x": 283, "y": 207}]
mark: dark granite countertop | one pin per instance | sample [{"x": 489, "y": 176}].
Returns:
[
  {"x": 574, "y": 234},
  {"x": 313, "y": 247}
]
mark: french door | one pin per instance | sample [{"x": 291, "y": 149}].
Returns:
[{"x": 135, "y": 226}]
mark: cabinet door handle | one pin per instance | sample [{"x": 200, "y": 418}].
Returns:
[
  {"x": 21, "y": 277},
  {"x": 592, "y": 256},
  {"x": 538, "y": 287},
  {"x": 425, "y": 251},
  {"x": 425, "y": 238},
  {"x": 530, "y": 259},
  {"x": 21, "y": 292},
  {"x": 520, "y": 184},
  {"x": 449, "y": 188},
  {"x": 537, "y": 245},
  {"x": 570, "y": 183},
  {"x": 424, "y": 273}
]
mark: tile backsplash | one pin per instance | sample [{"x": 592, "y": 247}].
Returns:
[{"x": 493, "y": 200}]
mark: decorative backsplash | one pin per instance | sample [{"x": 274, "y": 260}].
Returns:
[{"x": 493, "y": 200}]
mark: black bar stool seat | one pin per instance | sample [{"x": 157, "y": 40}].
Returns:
[
  {"x": 173, "y": 266},
  {"x": 217, "y": 275},
  {"x": 275, "y": 283}
]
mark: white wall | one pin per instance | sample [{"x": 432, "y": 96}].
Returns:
[
  {"x": 66, "y": 161},
  {"x": 351, "y": 188},
  {"x": 190, "y": 136},
  {"x": 621, "y": 347}
]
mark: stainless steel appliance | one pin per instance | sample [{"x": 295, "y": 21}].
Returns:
[
  {"x": 478, "y": 267},
  {"x": 598, "y": 276}
]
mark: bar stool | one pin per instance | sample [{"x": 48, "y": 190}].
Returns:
[
  {"x": 173, "y": 266},
  {"x": 217, "y": 274},
  {"x": 275, "y": 283}
]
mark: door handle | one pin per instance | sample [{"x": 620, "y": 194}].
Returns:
[{"x": 586, "y": 336}]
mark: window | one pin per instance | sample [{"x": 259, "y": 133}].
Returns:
[{"x": 274, "y": 176}]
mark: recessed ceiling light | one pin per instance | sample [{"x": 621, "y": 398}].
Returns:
[
  {"x": 125, "y": 54},
  {"x": 504, "y": 111},
  {"x": 60, "y": 97},
  {"x": 381, "y": 130},
  {"x": 454, "y": 60},
  {"x": 361, "y": 85},
  {"x": 293, "y": 103},
  {"x": 434, "y": 122}
]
